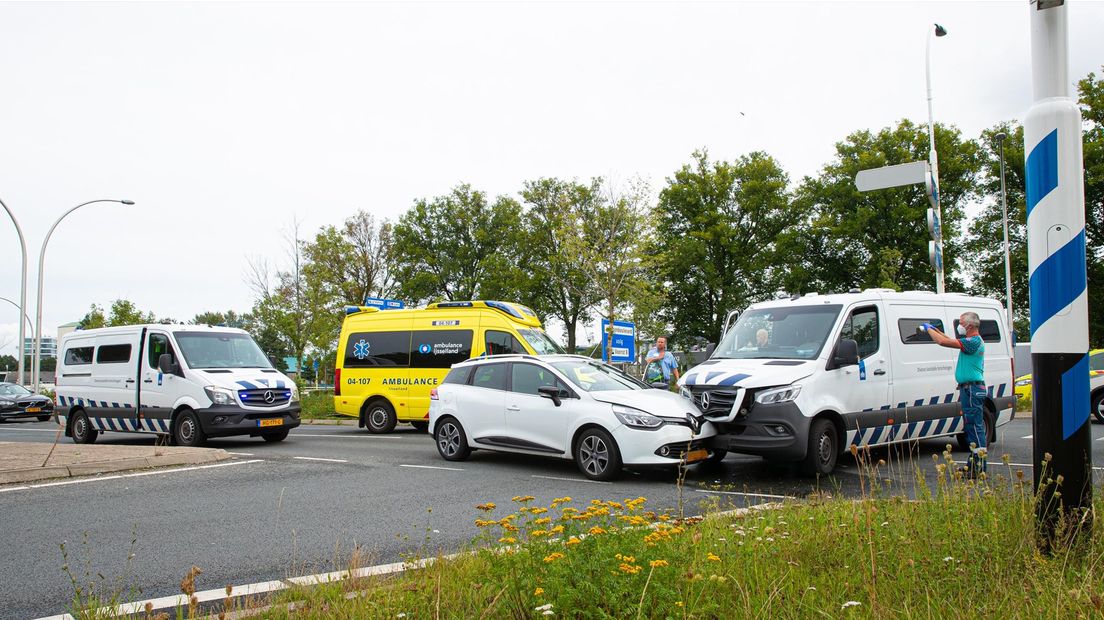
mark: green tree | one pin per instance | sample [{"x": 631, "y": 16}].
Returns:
[
  {"x": 460, "y": 246},
  {"x": 226, "y": 319},
  {"x": 94, "y": 318},
  {"x": 122, "y": 312},
  {"x": 842, "y": 238},
  {"x": 8, "y": 362},
  {"x": 560, "y": 286},
  {"x": 718, "y": 225}
]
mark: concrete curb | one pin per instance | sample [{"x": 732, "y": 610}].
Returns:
[
  {"x": 328, "y": 422},
  {"x": 32, "y": 474}
]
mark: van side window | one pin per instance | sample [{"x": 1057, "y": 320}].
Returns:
[
  {"x": 491, "y": 376},
  {"x": 989, "y": 330},
  {"x": 499, "y": 343},
  {"x": 113, "y": 354},
  {"x": 528, "y": 378},
  {"x": 76, "y": 356},
  {"x": 158, "y": 346},
  {"x": 367, "y": 349},
  {"x": 440, "y": 348},
  {"x": 862, "y": 327},
  {"x": 911, "y": 335},
  {"x": 1096, "y": 361}
]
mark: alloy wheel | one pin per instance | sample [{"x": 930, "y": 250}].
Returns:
[
  {"x": 448, "y": 439},
  {"x": 595, "y": 455}
]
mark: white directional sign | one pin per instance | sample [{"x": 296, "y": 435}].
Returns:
[{"x": 892, "y": 176}]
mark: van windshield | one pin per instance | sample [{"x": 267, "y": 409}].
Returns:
[
  {"x": 220, "y": 350},
  {"x": 779, "y": 333},
  {"x": 541, "y": 343}
]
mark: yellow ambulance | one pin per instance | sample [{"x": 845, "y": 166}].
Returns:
[{"x": 388, "y": 361}]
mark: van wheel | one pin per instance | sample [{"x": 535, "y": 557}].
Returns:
[
  {"x": 823, "y": 451},
  {"x": 1098, "y": 405},
  {"x": 421, "y": 427},
  {"x": 597, "y": 456},
  {"x": 990, "y": 431},
  {"x": 275, "y": 436},
  {"x": 81, "y": 429},
  {"x": 187, "y": 431},
  {"x": 452, "y": 442},
  {"x": 379, "y": 417}
]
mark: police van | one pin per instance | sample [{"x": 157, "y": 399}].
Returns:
[
  {"x": 805, "y": 378},
  {"x": 388, "y": 361},
  {"x": 184, "y": 382}
]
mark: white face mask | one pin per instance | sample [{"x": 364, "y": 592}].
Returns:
[{"x": 961, "y": 330}]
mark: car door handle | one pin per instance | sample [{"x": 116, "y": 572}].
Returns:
[
  {"x": 513, "y": 408},
  {"x": 879, "y": 372},
  {"x": 144, "y": 381},
  {"x": 130, "y": 380}
]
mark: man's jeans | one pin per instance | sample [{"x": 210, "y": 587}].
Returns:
[{"x": 973, "y": 413}]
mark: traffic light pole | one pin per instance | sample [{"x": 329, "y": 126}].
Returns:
[{"x": 1059, "y": 301}]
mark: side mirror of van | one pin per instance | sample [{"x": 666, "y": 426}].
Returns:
[
  {"x": 847, "y": 354},
  {"x": 166, "y": 365},
  {"x": 551, "y": 392}
]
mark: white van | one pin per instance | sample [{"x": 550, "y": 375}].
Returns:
[
  {"x": 846, "y": 369},
  {"x": 188, "y": 382}
]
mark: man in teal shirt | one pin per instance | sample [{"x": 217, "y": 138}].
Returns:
[{"x": 970, "y": 375}]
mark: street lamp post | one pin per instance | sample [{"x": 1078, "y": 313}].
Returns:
[
  {"x": 35, "y": 369},
  {"x": 939, "y": 31},
  {"x": 1007, "y": 252},
  {"x": 22, "y": 292}
]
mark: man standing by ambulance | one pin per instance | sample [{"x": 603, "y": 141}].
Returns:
[
  {"x": 970, "y": 375},
  {"x": 660, "y": 357}
]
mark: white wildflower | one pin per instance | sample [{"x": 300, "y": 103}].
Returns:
[
  {"x": 850, "y": 604},
  {"x": 948, "y": 559},
  {"x": 545, "y": 607}
]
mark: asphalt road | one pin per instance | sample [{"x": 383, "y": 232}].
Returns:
[{"x": 298, "y": 507}]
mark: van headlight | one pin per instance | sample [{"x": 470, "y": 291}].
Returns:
[
  {"x": 294, "y": 393},
  {"x": 220, "y": 396},
  {"x": 636, "y": 418},
  {"x": 778, "y": 395}
]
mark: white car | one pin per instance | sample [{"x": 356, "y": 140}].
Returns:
[{"x": 566, "y": 406}]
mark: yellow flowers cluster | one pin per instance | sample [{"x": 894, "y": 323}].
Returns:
[
  {"x": 633, "y": 504},
  {"x": 625, "y": 558},
  {"x": 552, "y": 557},
  {"x": 489, "y": 506},
  {"x": 539, "y": 591},
  {"x": 521, "y": 499},
  {"x": 630, "y": 569},
  {"x": 663, "y": 532},
  {"x": 596, "y": 530},
  {"x": 572, "y": 541},
  {"x": 540, "y": 533},
  {"x": 560, "y": 500},
  {"x": 712, "y": 557},
  {"x": 542, "y": 521},
  {"x": 657, "y": 563},
  {"x": 485, "y": 523},
  {"x": 509, "y": 540}
]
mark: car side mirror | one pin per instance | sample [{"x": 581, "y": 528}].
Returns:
[
  {"x": 551, "y": 392},
  {"x": 660, "y": 385},
  {"x": 167, "y": 366},
  {"x": 846, "y": 354}
]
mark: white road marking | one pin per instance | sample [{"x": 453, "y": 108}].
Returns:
[
  {"x": 328, "y": 436},
  {"x": 315, "y": 458},
  {"x": 432, "y": 467},
  {"x": 768, "y": 495},
  {"x": 999, "y": 463},
  {"x": 31, "y": 430},
  {"x": 134, "y": 475},
  {"x": 571, "y": 479},
  {"x": 240, "y": 453}
]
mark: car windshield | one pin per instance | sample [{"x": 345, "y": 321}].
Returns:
[
  {"x": 779, "y": 333},
  {"x": 594, "y": 376},
  {"x": 10, "y": 389},
  {"x": 541, "y": 343},
  {"x": 220, "y": 350}
]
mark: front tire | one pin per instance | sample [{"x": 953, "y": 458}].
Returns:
[
  {"x": 597, "y": 456},
  {"x": 81, "y": 429},
  {"x": 379, "y": 417},
  {"x": 187, "y": 432},
  {"x": 275, "y": 436},
  {"x": 820, "y": 459},
  {"x": 1098, "y": 406},
  {"x": 452, "y": 442}
]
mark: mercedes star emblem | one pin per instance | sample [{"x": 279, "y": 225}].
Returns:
[
  {"x": 269, "y": 397},
  {"x": 705, "y": 400}
]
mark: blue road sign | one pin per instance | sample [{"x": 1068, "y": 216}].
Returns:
[
  {"x": 624, "y": 341},
  {"x": 384, "y": 304}
]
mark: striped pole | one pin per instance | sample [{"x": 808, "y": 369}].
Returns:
[{"x": 1059, "y": 302}]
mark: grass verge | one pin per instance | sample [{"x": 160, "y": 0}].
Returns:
[{"x": 317, "y": 405}]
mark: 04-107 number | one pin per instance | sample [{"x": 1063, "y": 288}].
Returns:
[{"x": 356, "y": 381}]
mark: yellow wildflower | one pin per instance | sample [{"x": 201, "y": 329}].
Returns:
[
  {"x": 509, "y": 540},
  {"x": 596, "y": 530},
  {"x": 557, "y": 530},
  {"x": 539, "y": 591},
  {"x": 570, "y": 511},
  {"x": 542, "y": 521},
  {"x": 489, "y": 506},
  {"x": 521, "y": 499},
  {"x": 537, "y": 511},
  {"x": 539, "y": 533},
  {"x": 572, "y": 541},
  {"x": 657, "y": 563},
  {"x": 552, "y": 557},
  {"x": 712, "y": 557},
  {"x": 630, "y": 569},
  {"x": 483, "y": 523}
]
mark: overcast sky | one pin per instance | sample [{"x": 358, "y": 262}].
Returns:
[{"x": 225, "y": 121}]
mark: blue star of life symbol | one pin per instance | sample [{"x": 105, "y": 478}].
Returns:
[
  {"x": 424, "y": 349},
  {"x": 361, "y": 349}
]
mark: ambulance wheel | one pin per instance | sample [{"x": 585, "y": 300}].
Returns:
[
  {"x": 274, "y": 436},
  {"x": 421, "y": 427},
  {"x": 452, "y": 442},
  {"x": 81, "y": 429},
  {"x": 187, "y": 432},
  {"x": 379, "y": 417},
  {"x": 823, "y": 451},
  {"x": 1098, "y": 405}
]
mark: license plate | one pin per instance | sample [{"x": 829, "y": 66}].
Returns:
[
  {"x": 34, "y": 409},
  {"x": 271, "y": 422},
  {"x": 694, "y": 456}
]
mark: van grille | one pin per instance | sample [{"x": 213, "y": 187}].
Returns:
[
  {"x": 259, "y": 397},
  {"x": 720, "y": 399}
]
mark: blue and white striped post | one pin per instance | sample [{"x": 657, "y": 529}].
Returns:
[{"x": 1059, "y": 301}]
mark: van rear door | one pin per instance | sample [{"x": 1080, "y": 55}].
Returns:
[{"x": 113, "y": 392}]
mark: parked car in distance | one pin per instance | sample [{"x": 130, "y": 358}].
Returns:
[
  {"x": 17, "y": 402},
  {"x": 564, "y": 406},
  {"x": 1024, "y": 384}
]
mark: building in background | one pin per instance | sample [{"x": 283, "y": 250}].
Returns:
[
  {"x": 49, "y": 347},
  {"x": 68, "y": 328}
]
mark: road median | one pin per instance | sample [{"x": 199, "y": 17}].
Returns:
[{"x": 30, "y": 462}]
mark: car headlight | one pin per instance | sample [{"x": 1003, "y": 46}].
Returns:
[
  {"x": 636, "y": 418},
  {"x": 294, "y": 393},
  {"x": 1023, "y": 382},
  {"x": 220, "y": 396},
  {"x": 778, "y": 395},
  {"x": 6, "y": 403}
]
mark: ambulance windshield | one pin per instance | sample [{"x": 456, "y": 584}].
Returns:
[
  {"x": 540, "y": 341},
  {"x": 779, "y": 333},
  {"x": 204, "y": 350}
]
